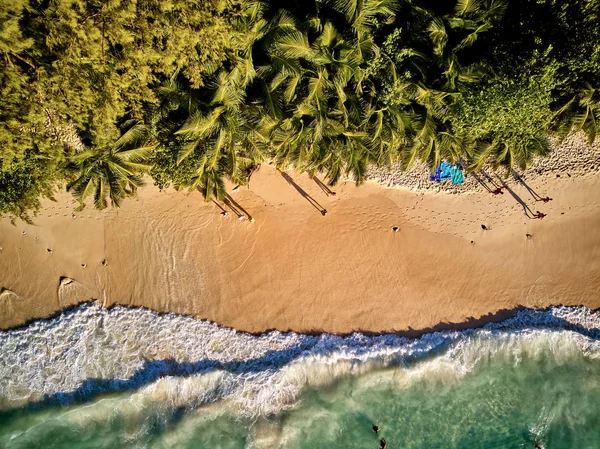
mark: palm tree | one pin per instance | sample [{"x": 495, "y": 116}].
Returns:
[
  {"x": 224, "y": 135},
  {"x": 470, "y": 19},
  {"x": 321, "y": 101},
  {"x": 582, "y": 112},
  {"x": 227, "y": 134},
  {"x": 112, "y": 172},
  {"x": 508, "y": 154}
]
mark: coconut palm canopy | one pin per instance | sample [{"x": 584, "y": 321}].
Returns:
[
  {"x": 112, "y": 173},
  {"x": 329, "y": 86}
]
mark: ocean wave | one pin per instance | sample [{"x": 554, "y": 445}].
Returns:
[{"x": 185, "y": 362}]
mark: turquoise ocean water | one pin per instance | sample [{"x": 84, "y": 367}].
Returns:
[{"x": 131, "y": 378}]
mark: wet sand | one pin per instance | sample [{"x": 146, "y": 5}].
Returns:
[{"x": 295, "y": 269}]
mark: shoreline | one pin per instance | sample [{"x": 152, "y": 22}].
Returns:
[
  {"x": 469, "y": 324},
  {"x": 181, "y": 348},
  {"x": 294, "y": 269}
]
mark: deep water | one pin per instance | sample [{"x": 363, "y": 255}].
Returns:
[{"x": 130, "y": 378}]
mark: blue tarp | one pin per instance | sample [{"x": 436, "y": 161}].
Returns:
[
  {"x": 446, "y": 171},
  {"x": 457, "y": 175},
  {"x": 436, "y": 177},
  {"x": 442, "y": 173}
]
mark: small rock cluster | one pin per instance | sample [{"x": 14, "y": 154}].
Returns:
[{"x": 573, "y": 157}]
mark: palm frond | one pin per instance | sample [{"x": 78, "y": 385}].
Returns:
[
  {"x": 467, "y": 7},
  {"x": 438, "y": 35},
  {"x": 294, "y": 45}
]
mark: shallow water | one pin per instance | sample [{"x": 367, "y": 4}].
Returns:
[{"x": 131, "y": 378}]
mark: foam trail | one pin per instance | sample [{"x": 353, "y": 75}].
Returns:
[{"x": 89, "y": 350}]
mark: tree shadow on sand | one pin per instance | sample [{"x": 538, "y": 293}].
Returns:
[
  {"x": 528, "y": 212},
  {"x": 536, "y": 196},
  {"x": 302, "y": 192},
  {"x": 492, "y": 181},
  {"x": 324, "y": 187},
  {"x": 480, "y": 181},
  {"x": 235, "y": 206}
]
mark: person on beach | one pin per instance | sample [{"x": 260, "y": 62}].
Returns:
[
  {"x": 539, "y": 215},
  {"x": 546, "y": 199},
  {"x": 484, "y": 227},
  {"x": 498, "y": 191},
  {"x": 375, "y": 428},
  {"x": 324, "y": 212}
]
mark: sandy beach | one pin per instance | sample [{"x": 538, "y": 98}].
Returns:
[{"x": 295, "y": 269}]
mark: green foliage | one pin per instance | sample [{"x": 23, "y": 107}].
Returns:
[
  {"x": 217, "y": 86},
  {"x": 509, "y": 119},
  {"x": 23, "y": 181},
  {"x": 112, "y": 172},
  {"x": 92, "y": 65},
  {"x": 582, "y": 112},
  {"x": 561, "y": 35}
]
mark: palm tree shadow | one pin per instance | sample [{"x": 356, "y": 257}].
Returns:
[
  {"x": 325, "y": 188},
  {"x": 302, "y": 192},
  {"x": 235, "y": 206},
  {"x": 220, "y": 207},
  {"x": 229, "y": 202},
  {"x": 528, "y": 212},
  {"x": 491, "y": 180},
  {"x": 480, "y": 181},
  {"x": 532, "y": 192}
]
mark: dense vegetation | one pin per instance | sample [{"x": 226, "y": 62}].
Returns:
[{"x": 97, "y": 93}]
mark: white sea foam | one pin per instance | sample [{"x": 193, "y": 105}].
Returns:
[{"x": 186, "y": 362}]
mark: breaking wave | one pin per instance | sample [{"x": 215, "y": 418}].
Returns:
[{"x": 185, "y": 362}]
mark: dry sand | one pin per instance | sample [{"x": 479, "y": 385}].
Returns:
[{"x": 294, "y": 269}]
